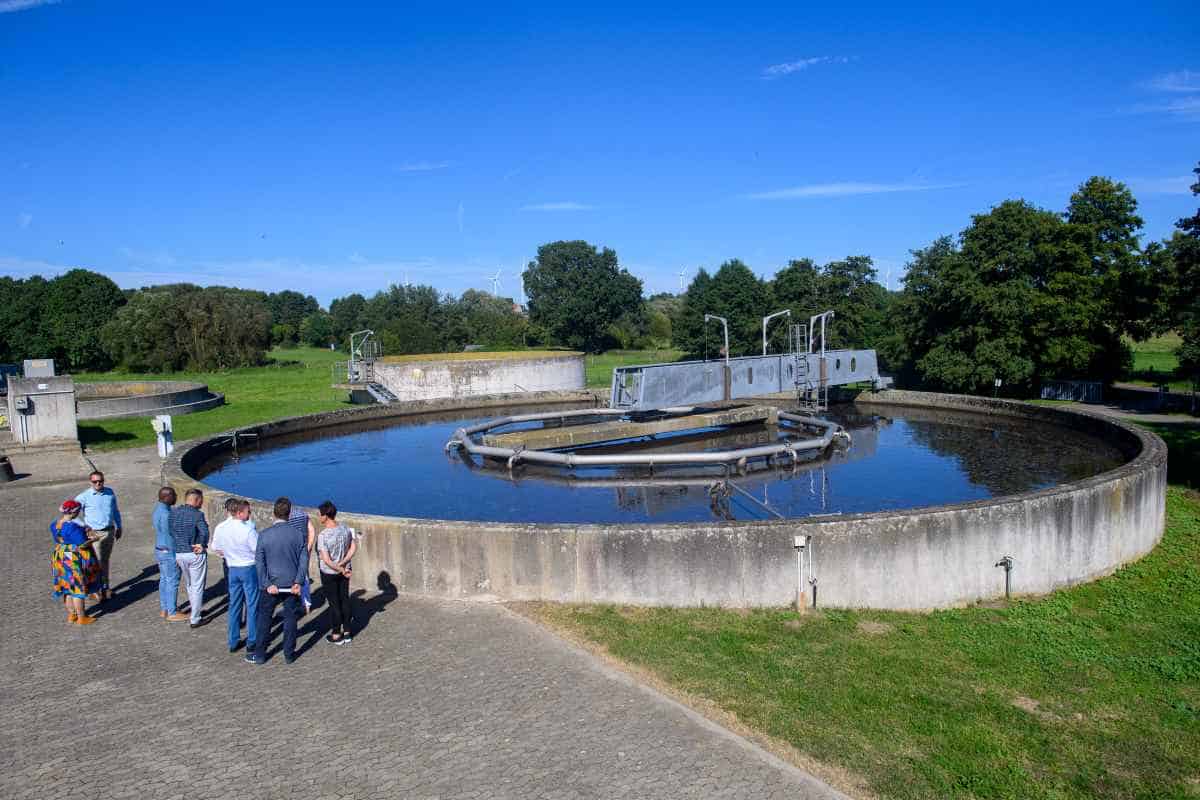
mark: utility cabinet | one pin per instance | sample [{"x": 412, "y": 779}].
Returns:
[{"x": 42, "y": 410}]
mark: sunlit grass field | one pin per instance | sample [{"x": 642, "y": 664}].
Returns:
[{"x": 298, "y": 382}]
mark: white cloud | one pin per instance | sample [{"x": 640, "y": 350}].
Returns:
[
  {"x": 422, "y": 166},
  {"x": 9, "y": 6},
  {"x": 847, "y": 189},
  {"x": 788, "y": 67},
  {"x": 23, "y": 220},
  {"x": 1181, "y": 184},
  {"x": 563, "y": 206},
  {"x": 1185, "y": 83},
  {"x": 1182, "y": 81},
  {"x": 1183, "y": 107}
]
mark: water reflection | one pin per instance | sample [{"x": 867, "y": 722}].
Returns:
[{"x": 900, "y": 458}]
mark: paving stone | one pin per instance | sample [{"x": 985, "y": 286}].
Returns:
[{"x": 432, "y": 699}]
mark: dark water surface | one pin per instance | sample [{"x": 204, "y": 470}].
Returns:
[{"x": 900, "y": 458}]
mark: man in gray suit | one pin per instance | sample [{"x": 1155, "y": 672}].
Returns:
[{"x": 282, "y": 563}]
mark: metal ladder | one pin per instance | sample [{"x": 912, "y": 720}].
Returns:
[{"x": 809, "y": 396}]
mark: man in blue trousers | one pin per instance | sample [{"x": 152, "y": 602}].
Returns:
[
  {"x": 164, "y": 554},
  {"x": 236, "y": 541},
  {"x": 281, "y": 559}
]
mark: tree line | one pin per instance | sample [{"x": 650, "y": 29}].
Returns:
[{"x": 1021, "y": 294}]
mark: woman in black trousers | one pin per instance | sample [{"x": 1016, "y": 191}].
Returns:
[{"x": 335, "y": 548}]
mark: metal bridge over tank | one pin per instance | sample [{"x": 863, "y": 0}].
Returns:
[
  {"x": 808, "y": 370},
  {"x": 688, "y": 383}
]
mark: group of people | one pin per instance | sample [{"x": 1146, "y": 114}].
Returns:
[{"x": 262, "y": 568}]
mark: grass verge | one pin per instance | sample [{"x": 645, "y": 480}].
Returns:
[
  {"x": 600, "y": 366},
  {"x": 296, "y": 382},
  {"x": 1093, "y": 691}
]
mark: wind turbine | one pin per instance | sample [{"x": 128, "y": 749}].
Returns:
[
  {"x": 682, "y": 272},
  {"x": 496, "y": 284}
]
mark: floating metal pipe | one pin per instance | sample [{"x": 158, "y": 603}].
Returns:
[{"x": 513, "y": 456}]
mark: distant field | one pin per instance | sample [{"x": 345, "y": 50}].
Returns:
[
  {"x": 600, "y": 367},
  {"x": 1154, "y": 362}
]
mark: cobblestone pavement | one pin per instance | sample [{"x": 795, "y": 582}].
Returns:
[{"x": 432, "y": 700}]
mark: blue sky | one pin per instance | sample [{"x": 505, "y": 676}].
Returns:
[{"x": 332, "y": 150}]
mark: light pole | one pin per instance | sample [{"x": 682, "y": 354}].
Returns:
[
  {"x": 724, "y": 324},
  {"x": 786, "y": 312}
]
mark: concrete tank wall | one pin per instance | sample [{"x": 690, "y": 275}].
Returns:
[
  {"x": 112, "y": 400},
  {"x": 917, "y": 559},
  {"x": 454, "y": 378}
]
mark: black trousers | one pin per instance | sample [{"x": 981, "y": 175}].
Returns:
[
  {"x": 266, "y": 610},
  {"x": 337, "y": 594}
]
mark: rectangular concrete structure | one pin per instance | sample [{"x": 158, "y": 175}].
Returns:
[
  {"x": 434, "y": 378},
  {"x": 575, "y": 435},
  {"x": 42, "y": 410}
]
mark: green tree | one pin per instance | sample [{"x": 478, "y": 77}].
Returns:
[
  {"x": 76, "y": 305},
  {"x": 1183, "y": 297},
  {"x": 736, "y": 294},
  {"x": 21, "y": 332},
  {"x": 142, "y": 336},
  {"x": 317, "y": 329},
  {"x": 1108, "y": 211},
  {"x": 347, "y": 317},
  {"x": 408, "y": 319},
  {"x": 1027, "y": 294},
  {"x": 484, "y": 319},
  {"x": 858, "y": 301},
  {"x": 576, "y": 292},
  {"x": 288, "y": 310}
]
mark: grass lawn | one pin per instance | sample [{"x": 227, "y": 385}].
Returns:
[
  {"x": 1093, "y": 691},
  {"x": 600, "y": 367},
  {"x": 298, "y": 382},
  {"x": 1154, "y": 362}
]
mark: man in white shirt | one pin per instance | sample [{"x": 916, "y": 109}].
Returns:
[{"x": 236, "y": 540}]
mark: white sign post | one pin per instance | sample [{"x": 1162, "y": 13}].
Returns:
[{"x": 166, "y": 438}]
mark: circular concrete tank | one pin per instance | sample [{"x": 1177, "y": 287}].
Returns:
[
  {"x": 919, "y": 558},
  {"x": 116, "y": 399}
]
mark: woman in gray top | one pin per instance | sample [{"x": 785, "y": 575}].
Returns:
[{"x": 335, "y": 548}]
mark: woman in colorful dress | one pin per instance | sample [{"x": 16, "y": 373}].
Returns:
[{"x": 76, "y": 568}]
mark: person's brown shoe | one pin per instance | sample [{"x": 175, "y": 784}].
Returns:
[
  {"x": 177, "y": 617},
  {"x": 84, "y": 619},
  {"x": 162, "y": 613}
]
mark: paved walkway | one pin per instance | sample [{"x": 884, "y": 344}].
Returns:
[
  {"x": 1133, "y": 415},
  {"x": 432, "y": 700}
]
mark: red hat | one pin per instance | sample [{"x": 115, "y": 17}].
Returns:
[{"x": 70, "y": 507}]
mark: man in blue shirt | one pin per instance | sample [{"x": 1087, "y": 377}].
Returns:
[
  {"x": 100, "y": 513},
  {"x": 281, "y": 559},
  {"x": 189, "y": 534},
  {"x": 164, "y": 554}
]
